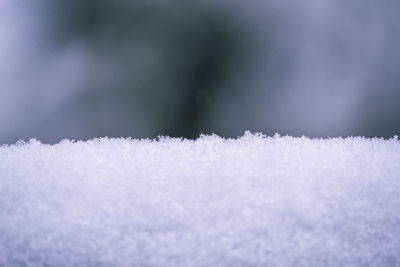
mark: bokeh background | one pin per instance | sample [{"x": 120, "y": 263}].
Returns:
[{"x": 89, "y": 68}]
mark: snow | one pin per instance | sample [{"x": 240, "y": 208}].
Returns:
[{"x": 250, "y": 201}]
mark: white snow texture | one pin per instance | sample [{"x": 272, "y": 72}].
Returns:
[{"x": 251, "y": 201}]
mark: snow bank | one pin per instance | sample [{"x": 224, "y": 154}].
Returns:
[{"x": 253, "y": 201}]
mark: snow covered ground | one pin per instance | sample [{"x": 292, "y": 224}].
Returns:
[{"x": 251, "y": 201}]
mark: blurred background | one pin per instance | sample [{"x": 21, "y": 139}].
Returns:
[{"x": 90, "y": 68}]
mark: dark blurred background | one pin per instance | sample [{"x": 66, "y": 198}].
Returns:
[{"x": 89, "y": 68}]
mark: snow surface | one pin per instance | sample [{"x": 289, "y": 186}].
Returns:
[{"x": 251, "y": 201}]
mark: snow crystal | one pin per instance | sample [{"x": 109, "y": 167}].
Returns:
[{"x": 251, "y": 201}]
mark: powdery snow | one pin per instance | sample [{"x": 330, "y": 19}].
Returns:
[{"x": 251, "y": 201}]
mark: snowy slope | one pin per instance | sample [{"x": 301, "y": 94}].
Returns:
[{"x": 253, "y": 201}]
